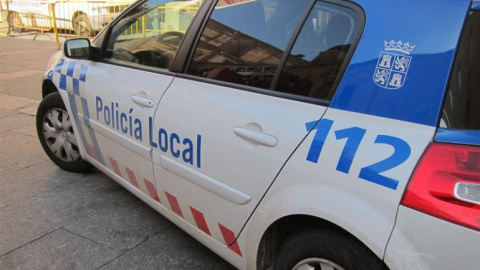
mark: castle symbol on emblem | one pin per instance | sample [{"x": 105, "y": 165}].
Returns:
[{"x": 393, "y": 64}]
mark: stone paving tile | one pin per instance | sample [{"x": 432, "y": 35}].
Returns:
[
  {"x": 24, "y": 47},
  {"x": 15, "y": 75},
  {"x": 15, "y": 121},
  {"x": 16, "y": 87},
  {"x": 20, "y": 185},
  {"x": 94, "y": 207},
  {"x": 3, "y": 85},
  {"x": 30, "y": 131},
  {"x": 65, "y": 251},
  {"x": 8, "y": 68},
  {"x": 115, "y": 217},
  {"x": 11, "y": 102},
  {"x": 22, "y": 149},
  {"x": 30, "y": 109},
  {"x": 8, "y": 138},
  {"x": 171, "y": 249},
  {"x": 47, "y": 209},
  {"x": 28, "y": 155},
  {"x": 37, "y": 57},
  {"x": 21, "y": 225},
  {"x": 7, "y": 167},
  {"x": 35, "y": 62},
  {"x": 6, "y": 112}
]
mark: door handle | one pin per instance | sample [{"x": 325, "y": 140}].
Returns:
[
  {"x": 256, "y": 137},
  {"x": 142, "y": 101}
]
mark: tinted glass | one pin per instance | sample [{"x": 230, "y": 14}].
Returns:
[
  {"x": 150, "y": 34},
  {"x": 244, "y": 42},
  {"x": 462, "y": 104},
  {"x": 319, "y": 52}
]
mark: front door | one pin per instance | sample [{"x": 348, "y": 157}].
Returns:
[{"x": 122, "y": 91}]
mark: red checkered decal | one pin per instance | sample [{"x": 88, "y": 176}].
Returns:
[
  {"x": 229, "y": 237},
  {"x": 132, "y": 178},
  {"x": 174, "y": 204},
  {"x": 151, "y": 190},
  {"x": 200, "y": 220},
  {"x": 116, "y": 169},
  {"x": 94, "y": 152}
]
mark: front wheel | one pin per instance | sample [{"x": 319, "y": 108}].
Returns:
[
  {"x": 55, "y": 131},
  {"x": 321, "y": 249}
]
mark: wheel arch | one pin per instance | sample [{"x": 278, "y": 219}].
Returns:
[
  {"x": 276, "y": 234},
  {"x": 48, "y": 87}
]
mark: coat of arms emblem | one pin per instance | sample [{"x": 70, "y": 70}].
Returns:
[{"x": 393, "y": 64}]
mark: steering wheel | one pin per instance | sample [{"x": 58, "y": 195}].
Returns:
[
  {"x": 171, "y": 37},
  {"x": 161, "y": 59},
  {"x": 124, "y": 55}
]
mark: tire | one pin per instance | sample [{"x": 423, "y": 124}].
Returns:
[
  {"x": 56, "y": 135},
  {"x": 320, "y": 248},
  {"x": 82, "y": 26}
]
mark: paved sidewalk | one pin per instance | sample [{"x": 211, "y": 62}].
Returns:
[{"x": 52, "y": 219}]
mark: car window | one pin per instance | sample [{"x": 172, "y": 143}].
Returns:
[
  {"x": 319, "y": 52},
  {"x": 150, "y": 34},
  {"x": 462, "y": 103},
  {"x": 250, "y": 51},
  {"x": 244, "y": 43}
]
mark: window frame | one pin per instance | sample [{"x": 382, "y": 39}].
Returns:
[{"x": 182, "y": 68}]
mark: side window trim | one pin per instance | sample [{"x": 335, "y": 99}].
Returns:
[
  {"x": 360, "y": 21},
  {"x": 290, "y": 45},
  {"x": 184, "y": 54},
  {"x": 195, "y": 37}
]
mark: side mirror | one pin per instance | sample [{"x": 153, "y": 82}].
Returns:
[{"x": 78, "y": 48}]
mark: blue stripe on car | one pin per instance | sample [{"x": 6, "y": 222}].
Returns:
[{"x": 421, "y": 97}]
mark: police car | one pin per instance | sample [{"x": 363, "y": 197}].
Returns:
[{"x": 285, "y": 134}]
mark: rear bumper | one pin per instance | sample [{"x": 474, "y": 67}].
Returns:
[{"x": 420, "y": 241}]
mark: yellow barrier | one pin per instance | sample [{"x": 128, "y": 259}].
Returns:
[
  {"x": 174, "y": 16},
  {"x": 63, "y": 18},
  {"x": 85, "y": 18},
  {"x": 27, "y": 15},
  {"x": 4, "y": 29}
]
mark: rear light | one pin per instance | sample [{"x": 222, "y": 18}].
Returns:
[{"x": 446, "y": 184}]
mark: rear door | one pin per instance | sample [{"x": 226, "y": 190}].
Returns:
[{"x": 224, "y": 130}]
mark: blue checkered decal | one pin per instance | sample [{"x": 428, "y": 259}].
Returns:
[{"x": 71, "y": 77}]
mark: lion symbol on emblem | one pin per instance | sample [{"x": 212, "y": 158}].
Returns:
[
  {"x": 401, "y": 63},
  {"x": 393, "y": 65},
  {"x": 381, "y": 76}
]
